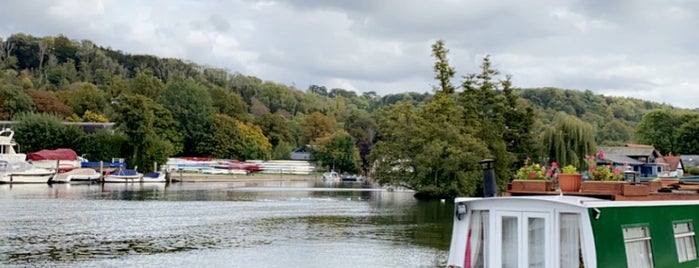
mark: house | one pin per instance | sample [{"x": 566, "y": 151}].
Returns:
[
  {"x": 640, "y": 158},
  {"x": 673, "y": 166},
  {"x": 301, "y": 153}
]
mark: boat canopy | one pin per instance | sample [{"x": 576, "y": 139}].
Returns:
[{"x": 58, "y": 154}]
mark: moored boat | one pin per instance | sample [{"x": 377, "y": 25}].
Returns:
[
  {"x": 560, "y": 229},
  {"x": 157, "y": 176},
  {"x": 7, "y": 147},
  {"x": 77, "y": 175},
  {"x": 62, "y": 159},
  {"x": 23, "y": 172},
  {"x": 123, "y": 176}
]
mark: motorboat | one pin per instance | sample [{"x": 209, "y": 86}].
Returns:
[
  {"x": 331, "y": 176},
  {"x": 123, "y": 175},
  {"x": 23, "y": 172},
  {"x": 157, "y": 176},
  {"x": 7, "y": 147},
  {"x": 62, "y": 159},
  {"x": 77, "y": 175}
]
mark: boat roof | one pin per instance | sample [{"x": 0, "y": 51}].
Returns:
[{"x": 579, "y": 201}]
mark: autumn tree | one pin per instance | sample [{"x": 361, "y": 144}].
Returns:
[
  {"x": 316, "y": 125},
  {"x": 46, "y": 102}
]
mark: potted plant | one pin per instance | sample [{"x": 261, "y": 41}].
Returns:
[
  {"x": 604, "y": 179},
  {"x": 569, "y": 180},
  {"x": 531, "y": 177}
]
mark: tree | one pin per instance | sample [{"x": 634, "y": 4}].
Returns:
[
  {"x": 46, "y": 102},
  {"x": 569, "y": 140},
  {"x": 36, "y": 132},
  {"x": 255, "y": 144},
  {"x": 224, "y": 140},
  {"x": 191, "y": 106},
  {"x": 104, "y": 145},
  {"x": 659, "y": 128},
  {"x": 83, "y": 97},
  {"x": 316, "y": 125},
  {"x": 688, "y": 136},
  {"x": 147, "y": 85},
  {"x": 443, "y": 72},
  {"x": 230, "y": 104},
  {"x": 151, "y": 130},
  {"x": 336, "y": 152},
  {"x": 275, "y": 128},
  {"x": 14, "y": 101}
]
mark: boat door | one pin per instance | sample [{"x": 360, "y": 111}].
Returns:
[{"x": 523, "y": 239}]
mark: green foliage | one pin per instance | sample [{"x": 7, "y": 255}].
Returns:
[
  {"x": 660, "y": 129},
  {"x": 36, "y": 132},
  {"x": 191, "y": 106},
  {"x": 531, "y": 171},
  {"x": 282, "y": 151},
  {"x": 255, "y": 144},
  {"x": 14, "y": 101},
  {"x": 693, "y": 170},
  {"x": 224, "y": 140},
  {"x": 104, "y": 145},
  {"x": 151, "y": 130},
  {"x": 569, "y": 140},
  {"x": 83, "y": 97},
  {"x": 230, "y": 104},
  {"x": 316, "y": 125},
  {"x": 336, "y": 152},
  {"x": 147, "y": 85},
  {"x": 275, "y": 128},
  {"x": 569, "y": 169},
  {"x": 443, "y": 72}
]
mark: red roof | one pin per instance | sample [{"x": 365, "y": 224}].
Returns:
[{"x": 58, "y": 154}]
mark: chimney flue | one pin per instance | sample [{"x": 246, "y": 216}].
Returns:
[{"x": 489, "y": 186}]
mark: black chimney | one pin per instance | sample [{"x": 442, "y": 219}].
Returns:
[{"x": 490, "y": 189}]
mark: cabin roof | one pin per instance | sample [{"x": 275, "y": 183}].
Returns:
[{"x": 581, "y": 201}]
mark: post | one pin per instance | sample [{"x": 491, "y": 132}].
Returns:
[{"x": 489, "y": 186}]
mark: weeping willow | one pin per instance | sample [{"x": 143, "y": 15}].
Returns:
[{"x": 569, "y": 140}]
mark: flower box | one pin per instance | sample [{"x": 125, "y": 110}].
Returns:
[
  {"x": 602, "y": 187},
  {"x": 531, "y": 185},
  {"x": 635, "y": 189}
]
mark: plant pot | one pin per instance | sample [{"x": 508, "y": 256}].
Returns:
[
  {"x": 602, "y": 187},
  {"x": 531, "y": 185},
  {"x": 569, "y": 182}
]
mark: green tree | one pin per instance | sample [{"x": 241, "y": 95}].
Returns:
[
  {"x": 255, "y": 144},
  {"x": 230, "y": 104},
  {"x": 443, "y": 72},
  {"x": 83, "y": 97},
  {"x": 569, "y": 140},
  {"x": 36, "y": 132},
  {"x": 14, "y": 101},
  {"x": 336, "y": 152},
  {"x": 142, "y": 120},
  {"x": 275, "y": 128},
  {"x": 147, "y": 85},
  {"x": 659, "y": 128},
  {"x": 688, "y": 137},
  {"x": 224, "y": 140},
  {"x": 191, "y": 106},
  {"x": 104, "y": 145}
]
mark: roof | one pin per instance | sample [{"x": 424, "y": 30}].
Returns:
[
  {"x": 622, "y": 159},
  {"x": 672, "y": 162},
  {"x": 627, "y": 151},
  {"x": 690, "y": 159},
  {"x": 582, "y": 201}
]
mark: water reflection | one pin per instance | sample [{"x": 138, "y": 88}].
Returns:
[{"x": 308, "y": 224}]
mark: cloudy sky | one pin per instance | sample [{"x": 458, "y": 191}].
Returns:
[{"x": 641, "y": 49}]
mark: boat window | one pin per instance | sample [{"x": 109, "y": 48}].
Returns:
[
  {"x": 477, "y": 238},
  {"x": 684, "y": 240},
  {"x": 510, "y": 242},
  {"x": 536, "y": 235},
  {"x": 638, "y": 246},
  {"x": 570, "y": 240}
]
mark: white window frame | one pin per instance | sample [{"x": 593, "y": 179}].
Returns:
[
  {"x": 679, "y": 240},
  {"x": 646, "y": 239},
  {"x": 523, "y": 239}
]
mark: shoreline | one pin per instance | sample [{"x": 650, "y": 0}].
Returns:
[{"x": 199, "y": 177}]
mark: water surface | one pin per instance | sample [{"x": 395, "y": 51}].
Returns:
[{"x": 266, "y": 224}]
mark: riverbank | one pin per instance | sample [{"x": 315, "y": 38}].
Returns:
[{"x": 199, "y": 177}]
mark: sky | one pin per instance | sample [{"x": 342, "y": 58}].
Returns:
[{"x": 641, "y": 49}]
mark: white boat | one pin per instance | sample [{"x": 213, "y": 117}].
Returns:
[
  {"x": 23, "y": 172},
  {"x": 7, "y": 147},
  {"x": 77, "y": 175},
  {"x": 158, "y": 176},
  {"x": 124, "y": 175},
  {"x": 331, "y": 176},
  {"x": 62, "y": 159}
]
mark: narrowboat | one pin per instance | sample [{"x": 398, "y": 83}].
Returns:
[{"x": 655, "y": 228}]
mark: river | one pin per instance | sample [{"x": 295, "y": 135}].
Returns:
[{"x": 269, "y": 224}]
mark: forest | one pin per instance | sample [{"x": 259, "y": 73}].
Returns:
[{"x": 430, "y": 142}]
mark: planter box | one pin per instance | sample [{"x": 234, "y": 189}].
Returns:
[
  {"x": 531, "y": 185},
  {"x": 603, "y": 187},
  {"x": 654, "y": 186},
  {"x": 635, "y": 189}
]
